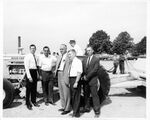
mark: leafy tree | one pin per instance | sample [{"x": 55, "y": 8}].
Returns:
[
  {"x": 133, "y": 51},
  {"x": 100, "y": 42},
  {"x": 140, "y": 48},
  {"x": 122, "y": 43}
]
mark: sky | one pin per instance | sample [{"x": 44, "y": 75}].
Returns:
[{"x": 54, "y": 22}]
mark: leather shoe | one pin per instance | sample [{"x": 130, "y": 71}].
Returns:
[
  {"x": 61, "y": 109},
  {"x": 86, "y": 110},
  {"x": 97, "y": 114},
  {"x": 29, "y": 107},
  {"x": 36, "y": 105},
  {"x": 52, "y": 103},
  {"x": 77, "y": 115},
  {"x": 65, "y": 112},
  {"x": 46, "y": 103}
]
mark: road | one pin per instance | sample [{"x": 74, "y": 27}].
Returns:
[{"x": 123, "y": 103}]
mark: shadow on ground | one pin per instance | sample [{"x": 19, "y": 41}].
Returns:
[
  {"x": 14, "y": 104},
  {"x": 18, "y": 100},
  {"x": 133, "y": 92}
]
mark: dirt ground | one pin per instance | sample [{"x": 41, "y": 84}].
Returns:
[{"x": 122, "y": 103}]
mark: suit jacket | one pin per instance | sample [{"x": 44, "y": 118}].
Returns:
[
  {"x": 91, "y": 71},
  {"x": 65, "y": 70}
]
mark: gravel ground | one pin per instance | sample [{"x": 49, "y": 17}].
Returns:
[{"x": 122, "y": 102}]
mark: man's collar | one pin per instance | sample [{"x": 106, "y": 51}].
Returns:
[
  {"x": 64, "y": 54},
  {"x": 32, "y": 54},
  {"x": 91, "y": 56},
  {"x": 47, "y": 56}
]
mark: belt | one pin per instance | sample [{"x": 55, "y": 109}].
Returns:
[
  {"x": 32, "y": 69},
  {"x": 47, "y": 71},
  {"x": 73, "y": 77}
]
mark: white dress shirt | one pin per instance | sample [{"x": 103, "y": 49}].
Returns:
[
  {"x": 116, "y": 59},
  {"x": 78, "y": 50},
  {"x": 46, "y": 63},
  {"x": 29, "y": 63},
  {"x": 76, "y": 67},
  {"x": 90, "y": 57},
  {"x": 61, "y": 67}
]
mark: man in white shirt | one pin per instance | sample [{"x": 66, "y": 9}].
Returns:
[
  {"x": 30, "y": 63},
  {"x": 46, "y": 63},
  {"x": 75, "y": 71},
  {"x": 61, "y": 72},
  {"x": 78, "y": 50}
]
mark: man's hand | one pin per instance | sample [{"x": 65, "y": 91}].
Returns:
[
  {"x": 40, "y": 77},
  {"x": 75, "y": 85},
  {"x": 54, "y": 73},
  {"x": 85, "y": 78},
  {"x": 30, "y": 80}
]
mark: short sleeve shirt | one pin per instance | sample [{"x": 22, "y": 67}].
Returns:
[{"x": 76, "y": 67}]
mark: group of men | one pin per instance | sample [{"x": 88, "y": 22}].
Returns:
[{"x": 73, "y": 76}]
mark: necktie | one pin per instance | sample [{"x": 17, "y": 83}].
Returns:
[
  {"x": 69, "y": 69},
  {"x": 35, "y": 60},
  {"x": 38, "y": 72},
  {"x": 60, "y": 62},
  {"x": 88, "y": 62}
]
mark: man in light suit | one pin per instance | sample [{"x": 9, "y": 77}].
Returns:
[
  {"x": 90, "y": 86},
  {"x": 61, "y": 72}
]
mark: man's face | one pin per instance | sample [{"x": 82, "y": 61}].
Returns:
[
  {"x": 63, "y": 49},
  {"x": 71, "y": 55},
  {"x": 32, "y": 49},
  {"x": 89, "y": 51},
  {"x": 72, "y": 44},
  {"x": 46, "y": 51}
]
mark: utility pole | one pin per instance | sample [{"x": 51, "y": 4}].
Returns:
[{"x": 20, "y": 49}]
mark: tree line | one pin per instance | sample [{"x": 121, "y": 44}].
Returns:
[{"x": 101, "y": 43}]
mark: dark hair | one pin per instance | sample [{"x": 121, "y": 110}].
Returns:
[
  {"x": 46, "y": 47},
  {"x": 90, "y": 46},
  {"x": 32, "y": 45},
  {"x": 72, "y": 41}
]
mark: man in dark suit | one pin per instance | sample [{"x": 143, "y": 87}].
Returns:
[{"x": 90, "y": 85}]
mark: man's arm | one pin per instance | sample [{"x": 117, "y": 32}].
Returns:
[
  {"x": 79, "y": 73},
  {"x": 56, "y": 66},
  {"x": 39, "y": 69},
  {"x": 77, "y": 80},
  {"x": 26, "y": 65},
  {"x": 54, "y": 62},
  {"x": 83, "y": 73}
]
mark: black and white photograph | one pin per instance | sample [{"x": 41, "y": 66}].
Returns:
[{"x": 75, "y": 59}]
